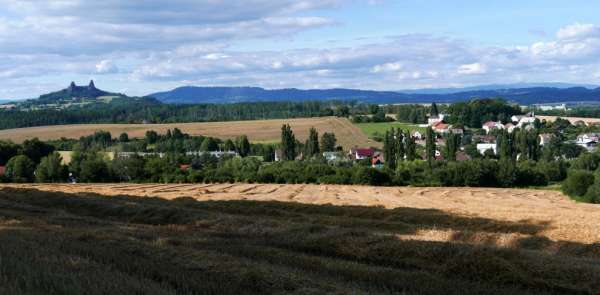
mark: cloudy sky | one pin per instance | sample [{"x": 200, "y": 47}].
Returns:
[{"x": 139, "y": 47}]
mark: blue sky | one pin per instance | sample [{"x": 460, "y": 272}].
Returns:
[{"x": 139, "y": 47}]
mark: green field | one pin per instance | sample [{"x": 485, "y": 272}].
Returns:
[{"x": 373, "y": 129}]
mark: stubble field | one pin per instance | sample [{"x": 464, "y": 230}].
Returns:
[{"x": 294, "y": 239}]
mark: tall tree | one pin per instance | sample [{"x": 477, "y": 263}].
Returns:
[
  {"x": 389, "y": 149},
  {"x": 505, "y": 151},
  {"x": 452, "y": 145},
  {"x": 434, "y": 110},
  {"x": 242, "y": 145},
  {"x": 430, "y": 146},
  {"x": 312, "y": 143},
  {"x": 411, "y": 148},
  {"x": 288, "y": 143},
  {"x": 328, "y": 142},
  {"x": 399, "y": 142},
  {"x": 51, "y": 169},
  {"x": 229, "y": 145}
]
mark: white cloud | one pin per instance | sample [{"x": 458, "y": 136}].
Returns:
[
  {"x": 578, "y": 31},
  {"x": 472, "y": 69},
  {"x": 106, "y": 67},
  {"x": 388, "y": 67}
]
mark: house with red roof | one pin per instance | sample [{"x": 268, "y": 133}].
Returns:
[
  {"x": 489, "y": 126},
  {"x": 361, "y": 153}
]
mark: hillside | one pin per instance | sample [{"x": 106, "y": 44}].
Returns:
[
  {"x": 532, "y": 95},
  {"x": 281, "y": 239},
  {"x": 81, "y": 96}
]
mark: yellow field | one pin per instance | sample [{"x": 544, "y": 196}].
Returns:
[
  {"x": 294, "y": 239},
  {"x": 571, "y": 119},
  {"x": 347, "y": 134}
]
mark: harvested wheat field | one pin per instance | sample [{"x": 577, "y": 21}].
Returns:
[
  {"x": 294, "y": 239},
  {"x": 348, "y": 135}
]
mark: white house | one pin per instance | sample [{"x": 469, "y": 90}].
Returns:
[
  {"x": 491, "y": 125},
  {"x": 520, "y": 121},
  {"x": 588, "y": 141},
  {"x": 436, "y": 119},
  {"x": 483, "y": 147}
]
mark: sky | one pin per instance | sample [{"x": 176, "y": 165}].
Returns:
[{"x": 140, "y": 47}]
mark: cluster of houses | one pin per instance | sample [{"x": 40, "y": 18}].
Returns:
[{"x": 485, "y": 143}]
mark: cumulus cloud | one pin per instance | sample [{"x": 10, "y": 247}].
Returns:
[
  {"x": 203, "y": 42},
  {"x": 106, "y": 67}
]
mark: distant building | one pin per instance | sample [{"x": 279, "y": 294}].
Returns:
[
  {"x": 510, "y": 127},
  {"x": 440, "y": 127},
  {"x": 520, "y": 121},
  {"x": 490, "y": 126},
  {"x": 377, "y": 161},
  {"x": 483, "y": 147},
  {"x": 545, "y": 138},
  {"x": 2, "y": 170},
  {"x": 361, "y": 153},
  {"x": 588, "y": 141},
  {"x": 332, "y": 156},
  {"x": 551, "y": 107},
  {"x": 217, "y": 154},
  {"x": 436, "y": 119},
  {"x": 417, "y": 135}
]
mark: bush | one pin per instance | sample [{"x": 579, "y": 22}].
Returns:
[
  {"x": 529, "y": 173},
  {"x": 593, "y": 193},
  {"x": 587, "y": 161},
  {"x": 577, "y": 183},
  {"x": 553, "y": 170},
  {"x": 20, "y": 169},
  {"x": 371, "y": 176}
]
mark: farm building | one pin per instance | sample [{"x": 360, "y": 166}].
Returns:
[{"x": 361, "y": 153}]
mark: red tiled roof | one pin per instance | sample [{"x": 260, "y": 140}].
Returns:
[
  {"x": 364, "y": 152},
  {"x": 440, "y": 126},
  {"x": 184, "y": 167}
]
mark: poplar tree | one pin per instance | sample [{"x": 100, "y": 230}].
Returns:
[
  {"x": 430, "y": 146},
  {"x": 312, "y": 143},
  {"x": 411, "y": 148},
  {"x": 389, "y": 149},
  {"x": 288, "y": 143},
  {"x": 400, "y": 149}
]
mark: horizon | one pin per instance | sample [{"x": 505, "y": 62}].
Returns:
[{"x": 141, "y": 48}]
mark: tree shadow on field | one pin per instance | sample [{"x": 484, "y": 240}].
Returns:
[
  {"x": 186, "y": 210},
  {"x": 241, "y": 247}
]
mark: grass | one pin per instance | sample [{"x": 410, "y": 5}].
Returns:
[
  {"x": 375, "y": 129},
  {"x": 59, "y": 243}
]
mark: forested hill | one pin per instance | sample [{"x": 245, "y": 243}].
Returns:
[
  {"x": 82, "y": 96},
  {"x": 193, "y": 95}
]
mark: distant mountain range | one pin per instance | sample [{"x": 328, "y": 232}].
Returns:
[{"x": 526, "y": 96}]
